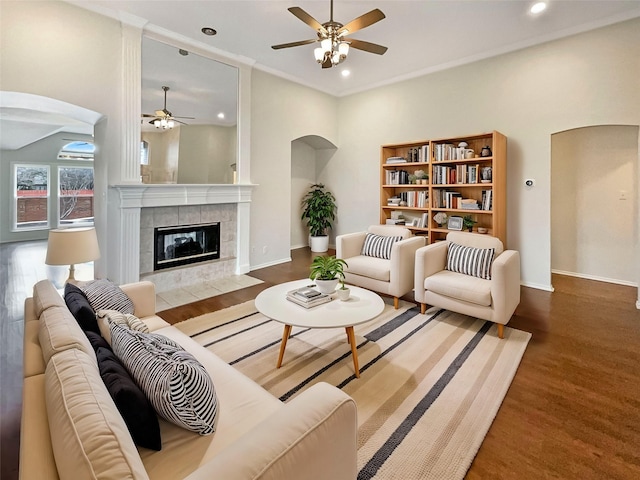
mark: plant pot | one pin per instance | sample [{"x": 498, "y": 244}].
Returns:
[
  {"x": 327, "y": 286},
  {"x": 343, "y": 294},
  {"x": 319, "y": 244}
]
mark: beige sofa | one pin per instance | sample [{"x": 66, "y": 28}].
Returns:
[{"x": 71, "y": 428}]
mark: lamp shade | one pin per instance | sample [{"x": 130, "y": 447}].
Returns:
[{"x": 69, "y": 246}]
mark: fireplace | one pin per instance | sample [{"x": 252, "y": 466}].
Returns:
[{"x": 185, "y": 244}]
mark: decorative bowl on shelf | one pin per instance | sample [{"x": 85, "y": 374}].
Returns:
[{"x": 482, "y": 230}]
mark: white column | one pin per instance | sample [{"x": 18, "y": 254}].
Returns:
[{"x": 243, "y": 263}]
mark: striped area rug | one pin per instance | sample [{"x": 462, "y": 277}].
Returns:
[{"x": 430, "y": 385}]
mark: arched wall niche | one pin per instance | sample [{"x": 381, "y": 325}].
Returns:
[{"x": 310, "y": 155}]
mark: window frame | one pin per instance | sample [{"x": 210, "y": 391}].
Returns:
[
  {"x": 59, "y": 221},
  {"x": 15, "y": 228}
]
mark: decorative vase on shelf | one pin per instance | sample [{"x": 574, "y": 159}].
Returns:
[{"x": 486, "y": 151}]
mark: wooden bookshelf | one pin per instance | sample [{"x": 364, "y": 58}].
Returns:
[{"x": 455, "y": 179}]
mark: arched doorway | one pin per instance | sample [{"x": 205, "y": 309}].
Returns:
[{"x": 594, "y": 203}]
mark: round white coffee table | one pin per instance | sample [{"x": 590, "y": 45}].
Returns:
[{"x": 361, "y": 307}]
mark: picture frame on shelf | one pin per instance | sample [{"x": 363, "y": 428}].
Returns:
[
  {"x": 454, "y": 223},
  {"x": 415, "y": 222}
]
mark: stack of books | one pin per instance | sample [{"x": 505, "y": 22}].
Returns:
[
  {"x": 307, "y": 297},
  {"x": 392, "y": 160}
]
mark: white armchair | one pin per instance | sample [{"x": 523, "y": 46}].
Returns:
[
  {"x": 392, "y": 276},
  {"x": 493, "y": 299}
]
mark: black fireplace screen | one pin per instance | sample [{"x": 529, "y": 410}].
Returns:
[{"x": 186, "y": 244}]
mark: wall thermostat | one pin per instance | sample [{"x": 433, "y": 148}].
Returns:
[{"x": 529, "y": 182}]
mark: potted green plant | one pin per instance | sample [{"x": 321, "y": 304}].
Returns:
[
  {"x": 343, "y": 292},
  {"x": 327, "y": 271},
  {"x": 319, "y": 208},
  {"x": 468, "y": 222}
]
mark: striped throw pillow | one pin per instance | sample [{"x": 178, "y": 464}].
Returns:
[
  {"x": 470, "y": 260},
  {"x": 177, "y": 385},
  {"x": 378, "y": 245},
  {"x": 106, "y": 295}
]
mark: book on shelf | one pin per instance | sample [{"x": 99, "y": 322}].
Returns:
[
  {"x": 391, "y": 160},
  {"x": 392, "y": 221},
  {"x": 299, "y": 298},
  {"x": 487, "y": 200}
]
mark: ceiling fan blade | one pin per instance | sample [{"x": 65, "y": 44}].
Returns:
[
  {"x": 366, "y": 46},
  {"x": 308, "y": 19},
  {"x": 293, "y": 44},
  {"x": 178, "y": 121},
  {"x": 187, "y": 118},
  {"x": 361, "y": 22},
  {"x": 148, "y": 115}
]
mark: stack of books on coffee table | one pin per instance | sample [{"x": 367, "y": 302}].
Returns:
[{"x": 307, "y": 297}]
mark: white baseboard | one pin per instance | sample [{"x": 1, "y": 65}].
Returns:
[
  {"x": 595, "y": 277},
  {"x": 538, "y": 286},
  {"x": 270, "y": 264}
]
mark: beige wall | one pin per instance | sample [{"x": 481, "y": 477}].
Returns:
[
  {"x": 594, "y": 229},
  {"x": 587, "y": 79},
  {"x": 206, "y": 154},
  {"x": 303, "y": 174},
  {"x": 281, "y": 111}
]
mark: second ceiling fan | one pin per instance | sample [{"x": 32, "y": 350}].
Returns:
[
  {"x": 334, "y": 43},
  {"x": 164, "y": 118}
]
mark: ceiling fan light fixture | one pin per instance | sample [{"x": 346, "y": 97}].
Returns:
[
  {"x": 326, "y": 45},
  {"x": 318, "y": 53},
  {"x": 343, "y": 49}
]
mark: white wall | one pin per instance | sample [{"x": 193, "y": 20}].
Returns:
[
  {"x": 587, "y": 79},
  {"x": 281, "y": 111},
  {"x": 593, "y": 230}
]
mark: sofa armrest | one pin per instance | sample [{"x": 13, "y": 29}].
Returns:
[
  {"x": 505, "y": 285},
  {"x": 313, "y": 436},
  {"x": 350, "y": 244},
  {"x": 143, "y": 296},
  {"x": 403, "y": 259},
  {"x": 429, "y": 260}
]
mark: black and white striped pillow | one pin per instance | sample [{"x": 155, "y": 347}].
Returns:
[
  {"x": 470, "y": 260},
  {"x": 106, "y": 295},
  {"x": 378, "y": 245},
  {"x": 177, "y": 385}
]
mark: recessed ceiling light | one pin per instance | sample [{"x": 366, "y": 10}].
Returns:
[
  {"x": 183, "y": 52},
  {"x": 209, "y": 31},
  {"x": 345, "y": 73},
  {"x": 221, "y": 115},
  {"x": 538, "y": 7}
]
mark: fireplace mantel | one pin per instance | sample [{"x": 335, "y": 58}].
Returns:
[
  {"x": 172, "y": 195},
  {"x": 131, "y": 198}
]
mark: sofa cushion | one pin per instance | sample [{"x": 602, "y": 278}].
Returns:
[
  {"x": 106, "y": 295},
  {"x": 176, "y": 384},
  {"x": 88, "y": 435},
  {"x": 45, "y": 295},
  {"x": 470, "y": 261},
  {"x": 96, "y": 340},
  {"x": 379, "y": 246},
  {"x": 461, "y": 287},
  {"x": 371, "y": 267},
  {"x": 133, "y": 405},
  {"x": 59, "y": 331},
  {"x": 80, "y": 308}
]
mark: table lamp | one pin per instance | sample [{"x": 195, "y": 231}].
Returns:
[{"x": 68, "y": 246}]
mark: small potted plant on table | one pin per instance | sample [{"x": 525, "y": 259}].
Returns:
[{"x": 327, "y": 271}]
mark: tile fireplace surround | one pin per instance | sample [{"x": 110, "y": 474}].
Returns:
[{"x": 144, "y": 207}]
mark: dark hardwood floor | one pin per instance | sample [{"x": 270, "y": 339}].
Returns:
[{"x": 572, "y": 411}]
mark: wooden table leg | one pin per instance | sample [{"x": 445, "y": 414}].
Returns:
[
  {"x": 354, "y": 350},
  {"x": 283, "y": 345}
]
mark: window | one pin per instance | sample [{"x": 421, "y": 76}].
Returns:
[
  {"x": 77, "y": 151},
  {"x": 144, "y": 153},
  {"x": 31, "y": 197},
  {"x": 75, "y": 195}
]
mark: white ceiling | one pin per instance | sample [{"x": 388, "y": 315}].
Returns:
[{"x": 422, "y": 36}]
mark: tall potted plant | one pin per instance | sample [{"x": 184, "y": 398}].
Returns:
[{"x": 319, "y": 209}]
